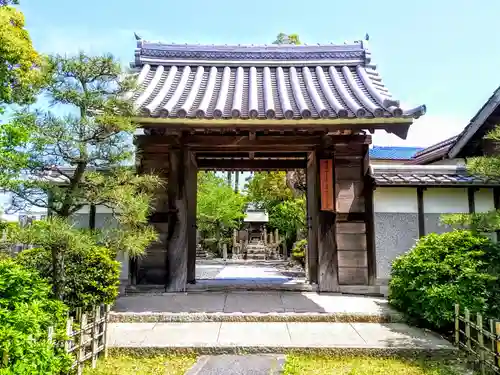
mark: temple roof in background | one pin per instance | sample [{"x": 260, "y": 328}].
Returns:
[
  {"x": 427, "y": 175},
  {"x": 262, "y": 82}
]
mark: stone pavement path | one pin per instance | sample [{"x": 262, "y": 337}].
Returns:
[
  {"x": 228, "y": 338},
  {"x": 261, "y": 364}
]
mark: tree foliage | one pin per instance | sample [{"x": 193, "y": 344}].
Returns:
[
  {"x": 20, "y": 77},
  {"x": 487, "y": 167},
  {"x": 26, "y": 313},
  {"x": 288, "y": 216},
  {"x": 218, "y": 206},
  {"x": 267, "y": 190},
  {"x": 283, "y": 38}
]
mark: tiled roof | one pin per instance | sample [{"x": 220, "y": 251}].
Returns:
[
  {"x": 427, "y": 175},
  {"x": 434, "y": 152},
  {"x": 262, "y": 82},
  {"x": 393, "y": 153}
]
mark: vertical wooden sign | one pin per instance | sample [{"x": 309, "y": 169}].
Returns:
[{"x": 326, "y": 184}]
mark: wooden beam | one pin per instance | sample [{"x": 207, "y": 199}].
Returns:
[
  {"x": 420, "y": 211},
  {"x": 309, "y": 124},
  {"x": 251, "y": 140},
  {"x": 257, "y": 164}
]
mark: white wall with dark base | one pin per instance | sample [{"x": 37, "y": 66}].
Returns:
[{"x": 396, "y": 218}]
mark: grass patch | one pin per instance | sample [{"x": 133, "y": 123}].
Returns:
[
  {"x": 323, "y": 365},
  {"x": 135, "y": 365}
]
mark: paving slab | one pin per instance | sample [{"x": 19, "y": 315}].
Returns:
[
  {"x": 245, "y": 306},
  {"x": 398, "y": 335},
  {"x": 254, "y": 334},
  {"x": 182, "y": 334},
  {"x": 324, "y": 334},
  {"x": 275, "y": 337}
]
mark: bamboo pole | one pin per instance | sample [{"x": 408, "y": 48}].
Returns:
[
  {"x": 497, "y": 351},
  {"x": 95, "y": 335},
  {"x": 81, "y": 347},
  {"x": 467, "y": 329},
  {"x": 457, "y": 324},
  {"x": 105, "y": 331},
  {"x": 480, "y": 340}
]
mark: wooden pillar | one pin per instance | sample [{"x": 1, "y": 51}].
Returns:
[
  {"x": 496, "y": 202},
  {"x": 420, "y": 211},
  {"x": 177, "y": 235},
  {"x": 150, "y": 269},
  {"x": 312, "y": 218},
  {"x": 471, "y": 192},
  {"x": 92, "y": 214},
  {"x": 192, "y": 183},
  {"x": 353, "y": 220},
  {"x": 369, "y": 188},
  {"x": 327, "y": 273}
]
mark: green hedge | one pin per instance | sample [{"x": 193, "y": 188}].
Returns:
[
  {"x": 26, "y": 313},
  {"x": 444, "y": 269},
  {"x": 92, "y": 276}
]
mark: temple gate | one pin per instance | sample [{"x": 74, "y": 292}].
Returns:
[{"x": 272, "y": 107}]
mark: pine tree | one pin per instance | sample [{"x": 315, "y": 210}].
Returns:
[{"x": 80, "y": 152}]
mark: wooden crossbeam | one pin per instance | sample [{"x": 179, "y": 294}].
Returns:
[{"x": 255, "y": 164}]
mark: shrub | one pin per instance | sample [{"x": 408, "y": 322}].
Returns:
[
  {"x": 211, "y": 245},
  {"x": 299, "y": 251},
  {"x": 91, "y": 276},
  {"x": 441, "y": 270},
  {"x": 26, "y": 313}
]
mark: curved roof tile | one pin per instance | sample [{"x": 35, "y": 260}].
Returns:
[{"x": 291, "y": 82}]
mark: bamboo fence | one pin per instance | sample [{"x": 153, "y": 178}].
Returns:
[
  {"x": 86, "y": 337},
  {"x": 480, "y": 338}
]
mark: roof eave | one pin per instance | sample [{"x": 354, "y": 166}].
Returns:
[
  {"x": 437, "y": 185},
  {"x": 397, "y": 126}
]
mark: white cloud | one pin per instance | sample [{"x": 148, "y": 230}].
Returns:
[{"x": 424, "y": 132}]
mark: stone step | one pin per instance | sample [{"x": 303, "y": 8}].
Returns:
[
  {"x": 285, "y": 317},
  {"x": 254, "y": 338}
]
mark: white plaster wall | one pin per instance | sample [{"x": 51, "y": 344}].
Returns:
[
  {"x": 395, "y": 200},
  {"x": 445, "y": 200},
  {"x": 123, "y": 259},
  {"x": 484, "y": 200},
  {"x": 100, "y": 209}
]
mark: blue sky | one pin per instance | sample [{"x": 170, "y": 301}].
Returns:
[
  {"x": 441, "y": 53},
  {"x": 444, "y": 54}
]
